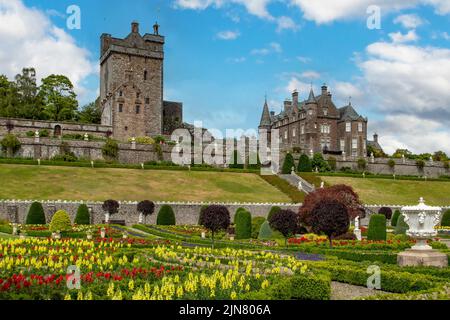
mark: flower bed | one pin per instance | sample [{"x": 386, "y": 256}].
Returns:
[{"x": 35, "y": 268}]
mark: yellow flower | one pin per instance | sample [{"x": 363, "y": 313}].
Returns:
[
  {"x": 131, "y": 285},
  {"x": 67, "y": 297},
  {"x": 265, "y": 284},
  {"x": 233, "y": 295}
]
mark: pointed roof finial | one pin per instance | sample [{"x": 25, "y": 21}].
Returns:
[{"x": 350, "y": 100}]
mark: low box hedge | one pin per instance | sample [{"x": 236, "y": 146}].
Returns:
[{"x": 310, "y": 286}]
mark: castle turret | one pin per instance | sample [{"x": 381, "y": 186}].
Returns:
[
  {"x": 265, "y": 118},
  {"x": 311, "y": 98}
]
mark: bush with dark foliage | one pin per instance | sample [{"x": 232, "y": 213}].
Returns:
[
  {"x": 83, "y": 217},
  {"x": 395, "y": 217},
  {"x": 341, "y": 193},
  {"x": 243, "y": 224},
  {"x": 386, "y": 211},
  {"x": 331, "y": 218},
  {"x": 304, "y": 164},
  {"x": 377, "y": 228},
  {"x": 272, "y": 211},
  {"x": 147, "y": 208},
  {"x": 215, "y": 218},
  {"x": 111, "y": 206},
  {"x": 284, "y": 221}
]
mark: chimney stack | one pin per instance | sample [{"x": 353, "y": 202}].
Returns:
[
  {"x": 156, "y": 29},
  {"x": 375, "y": 137},
  {"x": 287, "y": 105},
  {"x": 135, "y": 27},
  {"x": 295, "y": 98},
  {"x": 324, "y": 90}
]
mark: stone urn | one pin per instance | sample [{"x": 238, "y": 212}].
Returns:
[
  {"x": 421, "y": 220},
  {"x": 102, "y": 233}
]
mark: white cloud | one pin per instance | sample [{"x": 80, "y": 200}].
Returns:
[
  {"x": 303, "y": 59},
  {"x": 412, "y": 133},
  {"x": 286, "y": 23},
  {"x": 237, "y": 60},
  {"x": 29, "y": 39},
  {"x": 228, "y": 35},
  {"x": 313, "y": 75},
  {"x": 327, "y": 11},
  {"x": 254, "y": 7},
  {"x": 398, "y": 37},
  {"x": 344, "y": 90},
  {"x": 273, "y": 47},
  {"x": 409, "y": 21}
]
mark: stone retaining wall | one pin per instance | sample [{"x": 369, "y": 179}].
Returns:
[{"x": 185, "y": 212}]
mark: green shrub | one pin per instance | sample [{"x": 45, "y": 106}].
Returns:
[
  {"x": 288, "y": 164},
  {"x": 445, "y": 222},
  {"x": 10, "y": 144},
  {"x": 111, "y": 149},
  {"x": 377, "y": 228},
  {"x": 166, "y": 216},
  {"x": 401, "y": 226},
  {"x": 280, "y": 289},
  {"x": 420, "y": 164},
  {"x": 391, "y": 163},
  {"x": 311, "y": 287},
  {"x": 395, "y": 217},
  {"x": 304, "y": 164},
  {"x": 362, "y": 164},
  {"x": 272, "y": 211},
  {"x": 265, "y": 232},
  {"x": 60, "y": 222},
  {"x": 243, "y": 224},
  {"x": 401, "y": 237},
  {"x": 319, "y": 162},
  {"x": 333, "y": 163},
  {"x": 83, "y": 217},
  {"x": 36, "y": 214},
  {"x": 256, "y": 226}
]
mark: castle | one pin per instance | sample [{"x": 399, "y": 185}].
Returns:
[
  {"x": 316, "y": 125},
  {"x": 132, "y": 86}
]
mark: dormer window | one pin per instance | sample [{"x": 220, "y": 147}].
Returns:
[
  {"x": 325, "y": 112},
  {"x": 348, "y": 127}
]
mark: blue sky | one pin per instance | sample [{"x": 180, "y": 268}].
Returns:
[{"x": 223, "y": 56}]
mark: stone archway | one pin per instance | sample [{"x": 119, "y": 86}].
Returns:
[{"x": 57, "y": 131}]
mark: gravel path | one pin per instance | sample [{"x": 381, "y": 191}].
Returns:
[{"x": 343, "y": 291}]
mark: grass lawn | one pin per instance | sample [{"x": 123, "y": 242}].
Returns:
[
  {"x": 396, "y": 192},
  {"x": 72, "y": 183}
]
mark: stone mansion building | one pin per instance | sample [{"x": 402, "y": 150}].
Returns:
[{"x": 316, "y": 125}]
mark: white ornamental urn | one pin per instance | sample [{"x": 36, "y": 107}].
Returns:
[{"x": 421, "y": 220}]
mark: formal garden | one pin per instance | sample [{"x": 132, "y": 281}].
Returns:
[{"x": 318, "y": 253}]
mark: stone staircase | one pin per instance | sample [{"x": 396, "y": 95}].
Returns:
[{"x": 298, "y": 182}]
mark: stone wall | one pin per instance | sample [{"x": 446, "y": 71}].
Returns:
[
  {"x": 185, "y": 212},
  {"x": 21, "y": 126}
]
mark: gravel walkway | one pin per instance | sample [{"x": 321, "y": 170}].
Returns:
[{"x": 343, "y": 291}]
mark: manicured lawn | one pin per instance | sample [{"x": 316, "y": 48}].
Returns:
[
  {"x": 396, "y": 192},
  {"x": 71, "y": 183}
]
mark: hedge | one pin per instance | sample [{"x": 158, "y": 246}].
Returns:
[
  {"x": 83, "y": 217},
  {"x": 391, "y": 281},
  {"x": 395, "y": 217},
  {"x": 288, "y": 164},
  {"x": 445, "y": 222},
  {"x": 311, "y": 287},
  {"x": 265, "y": 232},
  {"x": 304, "y": 164},
  {"x": 401, "y": 226},
  {"x": 256, "y": 226},
  {"x": 377, "y": 228},
  {"x": 166, "y": 216},
  {"x": 36, "y": 214},
  {"x": 243, "y": 224}
]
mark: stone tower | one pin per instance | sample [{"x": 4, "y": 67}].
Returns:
[{"x": 131, "y": 83}]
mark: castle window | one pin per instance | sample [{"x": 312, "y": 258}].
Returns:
[
  {"x": 285, "y": 135},
  {"x": 120, "y": 107},
  {"x": 303, "y": 129},
  {"x": 294, "y": 132},
  {"x": 325, "y": 112},
  {"x": 138, "y": 109},
  {"x": 342, "y": 144},
  {"x": 147, "y": 100},
  {"x": 138, "y": 94},
  {"x": 310, "y": 112},
  {"x": 348, "y": 127},
  {"x": 126, "y": 128},
  {"x": 355, "y": 144},
  {"x": 360, "y": 127},
  {"x": 145, "y": 75},
  {"x": 120, "y": 93}
]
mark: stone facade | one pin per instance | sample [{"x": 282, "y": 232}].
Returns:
[
  {"x": 185, "y": 212},
  {"x": 132, "y": 84},
  {"x": 317, "y": 125}
]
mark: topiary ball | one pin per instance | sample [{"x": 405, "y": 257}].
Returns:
[
  {"x": 83, "y": 217},
  {"x": 166, "y": 216},
  {"x": 60, "y": 222},
  {"x": 36, "y": 214},
  {"x": 377, "y": 228}
]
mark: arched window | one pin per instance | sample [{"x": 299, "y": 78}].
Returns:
[{"x": 145, "y": 75}]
